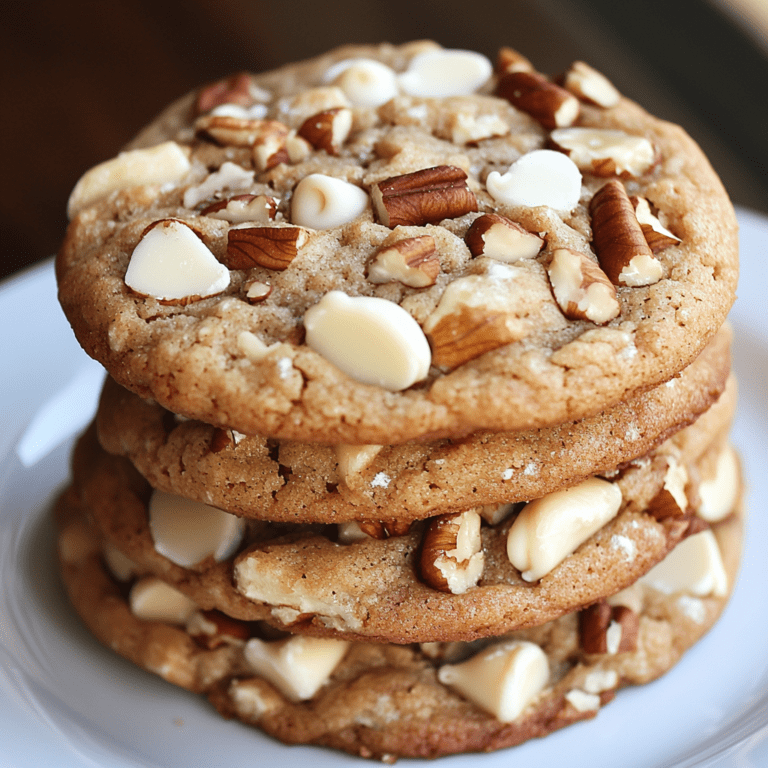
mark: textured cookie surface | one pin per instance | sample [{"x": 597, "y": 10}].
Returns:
[
  {"x": 311, "y": 579},
  {"x": 491, "y": 346},
  {"x": 298, "y": 482},
  {"x": 385, "y": 701}
]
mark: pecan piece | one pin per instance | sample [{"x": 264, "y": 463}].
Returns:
[
  {"x": 423, "y": 197},
  {"x": 618, "y": 239},
  {"x": 531, "y": 92},
  {"x": 270, "y": 247}
]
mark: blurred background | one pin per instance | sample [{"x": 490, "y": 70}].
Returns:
[{"x": 81, "y": 77}]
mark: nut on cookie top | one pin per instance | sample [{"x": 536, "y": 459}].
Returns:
[{"x": 387, "y": 243}]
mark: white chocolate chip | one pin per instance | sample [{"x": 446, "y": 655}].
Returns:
[
  {"x": 253, "y": 698},
  {"x": 445, "y": 73},
  {"x": 549, "y": 529},
  {"x": 693, "y": 608},
  {"x": 187, "y": 532},
  {"x": 324, "y": 202},
  {"x": 230, "y": 176},
  {"x": 151, "y": 599},
  {"x": 373, "y": 340},
  {"x": 718, "y": 494},
  {"x": 162, "y": 164},
  {"x": 120, "y": 566},
  {"x": 298, "y": 666},
  {"x": 582, "y": 701},
  {"x": 502, "y": 679},
  {"x": 693, "y": 566},
  {"x": 365, "y": 82},
  {"x": 254, "y": 112},
  {"x": 541, "y": 177},
  {"x": 600, "y": 680},
  {"x": 350, "y": 532},
  {"x": 172, "y": 262}
]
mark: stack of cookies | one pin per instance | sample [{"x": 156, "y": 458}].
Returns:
[{"x": 415, "y": 434}]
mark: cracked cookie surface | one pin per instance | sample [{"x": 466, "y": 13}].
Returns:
[
  {"x": 313, "y": 580},
  {"x": 254, "y": 368}
]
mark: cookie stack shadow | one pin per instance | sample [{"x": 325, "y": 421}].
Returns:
[{"x": 438, "y": 595}]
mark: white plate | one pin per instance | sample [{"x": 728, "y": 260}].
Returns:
[{"x": 68, "y": 702}]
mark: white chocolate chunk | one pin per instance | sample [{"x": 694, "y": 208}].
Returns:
[
  {"x": 353, "y": 459},
  {"x": 620, "y": 152},
  {"x": 324, "y": 202},
  {"x": 172, "y": 262},
  {"x": 298, "y": 666},
  {"x": 260, "y": 578},
  {"x": 599, "y": 680},
  {"x": 549, "y": 529},
  {"x": 151, "y": 599},
  {"x": 350, "y": 532},
  {"x": 718, "y": 494},
  {"x": 445, "y": 73},
  {"x": 373, "y": 340},
  {"x": 164, "y": 163},
  {"x": 693, "y": 608},
  {"x": 541, "y": 177},
  {"x": 693, "y": 566},
  {"x": 502, "y": 679},
  {"x": 187, "y": 532},
  {"x": 120, "y": 566},
  {"x": 254, "y": 112},
  {"x": 230, "y": 176},
  {"x": 365, "y": 82},
  {"x": 582, "y": 701},
  {"x": 253, "y": 698}
]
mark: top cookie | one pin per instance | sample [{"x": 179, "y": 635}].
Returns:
[{"x": 393, "y": 243}]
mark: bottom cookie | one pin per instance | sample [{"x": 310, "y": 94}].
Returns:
[{"x": 421, "y": 700}]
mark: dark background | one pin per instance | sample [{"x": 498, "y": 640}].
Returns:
[{"x": 81, "y": 77}]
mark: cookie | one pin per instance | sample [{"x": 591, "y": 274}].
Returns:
[
  {"x": 408, "y": 587},
  {"x": 393, "y": 272},
  {"x": 387, "y": 701},
  {"x": 260, "y": 478}
]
